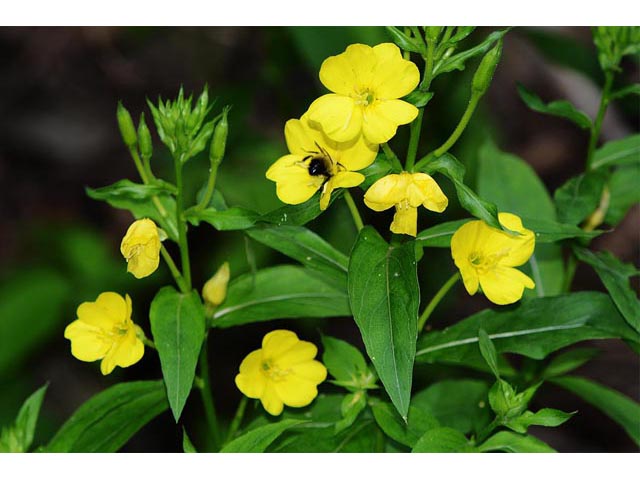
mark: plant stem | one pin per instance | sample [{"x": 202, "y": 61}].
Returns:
[
  {"x": 466, "y": 116},
  {"x": 237, "y": 419},
  {"x": 207, "y": 396},
  {"x": 391, "y": 156},
  {"x": 182, "y": 226},
  {"x": 416, "y": 125},
  {"x": 436, "y": 299},
  {"x": 357, "y": 219},
  {"x": 211, "y": 183},
  {"x": 174, "y": 270},
  {"x": 595, "y": 129},
  {"x": 485, "y": 432}
]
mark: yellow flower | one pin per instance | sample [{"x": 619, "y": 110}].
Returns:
[
  {"x": 141, "y": 248},
  {"x": 215, "y": 290},
  {"x": 486, "y": 257},
  {"x": 367, "y": 83},
  {"x": 316, "y": 161},
  {"x": 406, "y": 191},
  {"x": 104, "y": 330},
  {"x": 282, "y": 372}
]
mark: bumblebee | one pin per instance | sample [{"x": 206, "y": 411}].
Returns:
[{"x": 320, "y": 163}]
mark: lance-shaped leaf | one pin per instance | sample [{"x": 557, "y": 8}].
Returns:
[
  {"x": 257, "y": 440},
  {"x": 580, "y": 196},
  {"x": 235, "y": 218},
  {"x": 615, "y": 276},
  {"x": 558, "y": 108},
  {"x": 457, "y": 61},
  {"x": 178, "y": 326},
  {"x": 284, "y": 291},
  {"x": 623, "y": 191},
  {"x": 443, "y": 440},
  {"x": 535, "y": 328},
  {"x": 298, "y": 214},
  {"x": 384, "y": 296},
  {"x": 618, "y": 152},
  {"x": 620, "y": 408},
  {"x": 514, "y": 443},
  {"x": 19, "y": 437},
  {"x": 106, "y": 421},
  {"x": 404, "y": 432}
]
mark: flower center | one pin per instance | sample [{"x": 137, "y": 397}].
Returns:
[
  {"x": 273, "y": 372},
  {"x": 364, "y": 98},
  {"x": 484, "y": 263}
]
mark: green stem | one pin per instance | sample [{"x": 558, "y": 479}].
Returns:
[
  {"x": 416, "y": 125},
  {"x": 237, "y": 419},
  {"x": 174, "y": 270},
  {"x": 149, "y": 343},
  {"x": 572, "y": 265},
  {"x": 391, "y": 156},
  {"x": 182, "y": 226},
  {"x": 602, "y": 110},
  {"x": 486, "y": 431},
  {"x": 141, "y": 170},
  {"x": 357, "y": 219},
  {"x": 466, "y": 116},
  {"x": 211, "y": 183},
  {"x": 207, "y": 396},
  {"x": 436, "y": 299}
]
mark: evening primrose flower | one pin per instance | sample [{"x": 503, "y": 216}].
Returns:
[
  {"x": 486, "y": 257},
  {"x": 282, "y": 372},
  {"x": 406, "y": 191},
  {"x": 317, "y": 162},
  {"x": 367, "y": 83},
  {"x": 104, "y": 331},
  {"x": 141, "y": 248}
]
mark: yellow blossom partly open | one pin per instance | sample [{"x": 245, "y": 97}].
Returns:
[
  {"x": 406, "y": 191},
  {"x": 104, "y": 331},
  {"x": 367, "y": 83},
  {"x": 317, "y": 162},
  {"x": 141, "y": 248},
  {"x": 486, "y": 257},
  {"x": 282, "y": 372}
]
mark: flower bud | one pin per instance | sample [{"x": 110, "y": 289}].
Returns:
[
  {"x": 127, "y": 129},
  {"x": 216, "y": 153},
  {"x": 215, "y": 290},
  {"x": 484, "y": 74},
  {"x": 432, "y": 33},
  {"x": 144, "y": 137}
]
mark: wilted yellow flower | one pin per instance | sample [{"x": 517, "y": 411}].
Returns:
[
  {"x": 486, "y": 257},
  {"x": 282, "y": 372},
  {"x": 215, "y": 290},
  {"x": 367, "y": 83},
  {"x": 141, "y": 248},
  {"x": 406, "y": 191},
  {"x": 316, "y": 161},
  {"x": 104, "y": 331}
]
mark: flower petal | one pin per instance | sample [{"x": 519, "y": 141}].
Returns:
[
  {"x": 522, "y": 247},
  {"x": 87, "y": 341},
  {"x": 355, "y": 156},
  {"x": 344, "y": 72},
  {"x": 312, "y": 370},
  {"x": 470, "y": 279},
  {"x": 386, "y": 192},
  {"x": 339, "y": 180},
  {"x": 294, "y": 185},
  {"x": 393, "y": 76},
  {"x": 250, "y": 381},
  {"x": 108, "y": 309},
  {"x": 405, "y": 219},
  {"x": 125, "y": 351},
  {"x": 504, "y": 285},
  {"x": 301, "y": 352},
  {"x": 339, "y": 117},
  {"x": 463, "y": 243},
  {"x": 296, "y": 391},
  {"x": 277, "y": 343},
  {"x": 271, "y": 401},
  {"x": 381, "y": 119},
  {"x": 297, "y": 134},
  {"x": 430, "y": 195}
]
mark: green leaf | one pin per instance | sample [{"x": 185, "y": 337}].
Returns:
[
  {"x": 623, "y": 191},
  {"x": 284, "y": 291},
  {"x": 187, "y": 445},
  {"x": 178, "y": 326},
  {"x": 297, "y": 214},
  {"x": 303, "y": 245},
  {"x": 257, "y": 440},
  {"x": 346, "y": 364},
  {"x": 514, "y": 187},
  {"x": 352, "y": 405},
  {"x": 235, "y": 218},
  {"x": 450, "y": 167},
  {"x": 19, "y": 437},
  {"x": 36, "y": 298},
  {"x": 109, "y": 419},
  {"x": 488, "y": 352},
  {"x": 514, "y": 443},
  {"x": 618, "y": 152},
  {"x": 139, "y": 200},
  {"x": 384, "y": 296},
  {"x": 547, "y": 417},
  {"x": 615, "y": 405},
  {"x": 568, "y": 361},
  {"x": 457, "y": 61},
  {"x": 615, "y": 277},
  {"x": 405, "y": 42},
  {"x": 558, "y": 108},
  {"x": 579, "y": 196},
  {"x": 459, "y": 404},
  {"x": 374, "y": 172},
  {"x": 443, "y": 440},
  {"x": 535, "y": 328},
  {"x": 418, "y": 98},
  {"x": 406, "y": 433},
  {"x": 440, "y": 235},
  {"x": 633, "y": 89}
]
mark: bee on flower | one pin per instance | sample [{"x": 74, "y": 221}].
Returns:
[
  {"x": 282, "y": 372},
  {"x": 316, "y": 162},
  {"x": 486, "y": 258}
]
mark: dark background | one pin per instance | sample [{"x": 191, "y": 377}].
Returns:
[{"x": 58, "y": 93}]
